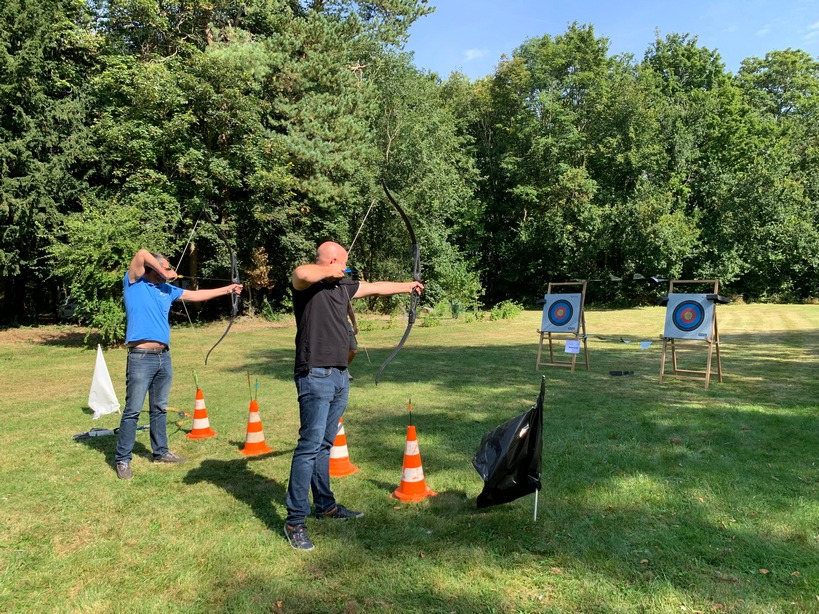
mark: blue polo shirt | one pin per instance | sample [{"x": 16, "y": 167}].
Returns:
[{"x": 146, "y": 309}]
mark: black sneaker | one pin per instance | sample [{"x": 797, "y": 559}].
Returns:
[
  {"x": 124, "y": 471},
  {"x": 168, "y": 457},
  {"x": 297, "y": 536},
  {"x": 340, "y": 512}
]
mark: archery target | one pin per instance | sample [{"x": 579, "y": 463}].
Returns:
[
  {"x": 561, "y": 313},
  {"x": 689, "y": 316}
]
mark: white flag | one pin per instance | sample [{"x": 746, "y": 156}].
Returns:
[{"x": 102, "y": 398}]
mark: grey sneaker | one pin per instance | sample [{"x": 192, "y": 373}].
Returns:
[
  {"x": 297, "y": 536},
  {"x": 168, "y": 457},
  {"x": 340, "y": 512},
  {"x": 124, "y": 471}
]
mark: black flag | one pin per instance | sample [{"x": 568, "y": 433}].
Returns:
[{"x": 509, "y": 456}]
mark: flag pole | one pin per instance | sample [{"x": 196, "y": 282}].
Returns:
[{"x": 536, "y": 493}]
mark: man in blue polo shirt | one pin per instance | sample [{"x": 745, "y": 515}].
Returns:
[{"x": 149, "y": 372}]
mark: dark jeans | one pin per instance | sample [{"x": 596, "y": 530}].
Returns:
[
  {"x": 322, "y": 399},
  {"x": 151, "y": 375}
]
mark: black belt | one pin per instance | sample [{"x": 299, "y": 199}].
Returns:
[
  {"x": 147, "y": 350},
  {"x": 304, "y": 372}
]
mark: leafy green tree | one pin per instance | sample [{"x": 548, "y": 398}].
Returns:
[
  {"x": 782, "y": 83},
  {"x": 543, "y": 220},
  {"x": 425, "y": 160},
  {"x": 46, "y": 50},
  {"x": 256, "y": 116},
  {"x": 95, "y": 251}
]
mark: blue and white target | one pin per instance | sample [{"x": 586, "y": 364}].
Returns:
[
  {"x": 561, "y": 313},
  {"x": 689, "y": 316}
]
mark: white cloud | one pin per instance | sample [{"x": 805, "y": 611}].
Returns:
[
  {"x": 474, "y": 54},
  {"x": 814, "y": 26}
]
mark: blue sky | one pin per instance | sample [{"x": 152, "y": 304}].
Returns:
[{"x": 471, "y": 35}]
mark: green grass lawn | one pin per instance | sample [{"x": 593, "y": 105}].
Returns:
[{"x": 655, "y": 498}]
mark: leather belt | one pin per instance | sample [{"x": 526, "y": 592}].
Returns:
[{"x": 147, "y": 350}]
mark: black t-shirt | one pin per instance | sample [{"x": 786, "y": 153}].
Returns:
[{"x": 321, "y": 321}]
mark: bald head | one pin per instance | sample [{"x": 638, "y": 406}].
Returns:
[{"x": 330, "y": 252}]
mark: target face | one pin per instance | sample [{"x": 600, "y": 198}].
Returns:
[
  {"x": 689, "y": 316},
  {"x": 561, "y": 313}
]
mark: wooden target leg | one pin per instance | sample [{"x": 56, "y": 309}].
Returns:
[
  {"x": 662, "y": 360},
  {"x": 719, "y": 365},
  {"x": 708, "y": 365},
  {"x": 716, "y": 340},
  {"x": 674, "y": 357},
  {"x": 539, "y": 350}
]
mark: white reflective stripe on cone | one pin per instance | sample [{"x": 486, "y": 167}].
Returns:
[
  {"x": 255, "y": 437},
  {"x": 413, "y": 474},
  {"x": 338, "y": 452}
]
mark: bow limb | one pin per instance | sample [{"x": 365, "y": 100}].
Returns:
[
  {"x": 416, "y": 276},
  {"x": 234, "y": 277}
]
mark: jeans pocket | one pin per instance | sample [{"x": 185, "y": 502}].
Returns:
[
  {"x": 137, "y": 357},
  {"x": 320, "y": 372}
]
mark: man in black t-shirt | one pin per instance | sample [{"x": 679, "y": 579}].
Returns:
[{"x": 321, "y": 297}]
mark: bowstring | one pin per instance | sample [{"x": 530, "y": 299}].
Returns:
[
  {"x": 350, "y": 251},
  {"x": 360, "y": 228},
  {"x": 184, "y": 304}
]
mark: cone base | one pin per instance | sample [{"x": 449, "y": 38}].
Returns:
[
  {"x": 413, "y": 497},
  {"x": 201, "y": 434},
  {"x": 247, "y": 451},
  {"x": 340, "y": 472}
]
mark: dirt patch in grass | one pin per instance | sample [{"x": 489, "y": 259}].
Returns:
[
  {"x": 66, "y": 334},
  {"x": 43, "y": 334}
]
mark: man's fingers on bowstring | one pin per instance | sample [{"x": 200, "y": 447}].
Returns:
[{"x": 337, "y": 271}]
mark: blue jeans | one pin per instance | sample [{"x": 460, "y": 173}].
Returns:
[
  {"x": 322, "y": 399},
  {"x": 145, "y": 374}
]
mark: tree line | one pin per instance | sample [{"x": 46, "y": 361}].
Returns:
[{"x": 272, "y": 124}]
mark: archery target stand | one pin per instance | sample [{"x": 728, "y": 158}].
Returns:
[
  {"x": 691, "y": 317},
  {"x": 563, "y": 315}
]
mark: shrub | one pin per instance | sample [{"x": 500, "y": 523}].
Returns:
[
  {"x": 270, "y": 314},
  {"x": 431, "y": 320},
  {"x": 505, "y": 310}
]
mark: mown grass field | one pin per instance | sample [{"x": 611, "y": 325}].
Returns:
[{"x": 656, "y": 498}]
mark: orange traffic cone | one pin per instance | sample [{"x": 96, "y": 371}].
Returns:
[
  {"x": 201, "y": 424},
  {"x": 340, "y": 464},
  {"x": 254, "y": 440},
  {"x": 413, "y": 487}
]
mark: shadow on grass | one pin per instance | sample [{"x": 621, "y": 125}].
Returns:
[
  {"x": 237, "y": 478},
  {"x": 107, "y": 446},
  {"x": 70, "y": 337}
]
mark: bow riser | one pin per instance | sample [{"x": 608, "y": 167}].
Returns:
[{"x": 234, "y": 276}]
